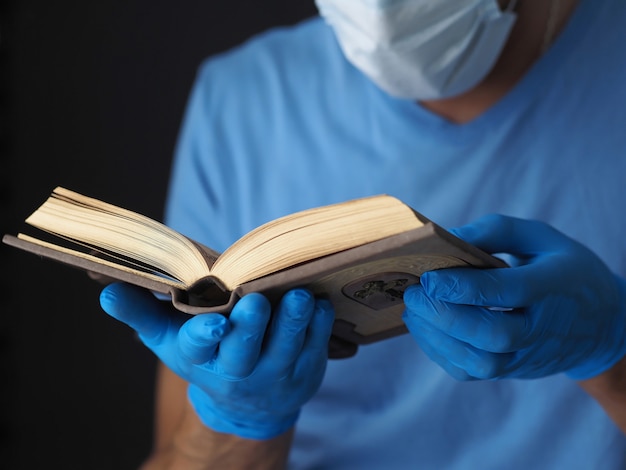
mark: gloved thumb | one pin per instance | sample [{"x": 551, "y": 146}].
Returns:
[
  {"x": 199, "y": 336},
  {"x": 497, "y": 233},
  {"x": 139, "y": 309}
]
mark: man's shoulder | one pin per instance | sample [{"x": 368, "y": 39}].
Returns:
[{"x": 281, "y": 53}]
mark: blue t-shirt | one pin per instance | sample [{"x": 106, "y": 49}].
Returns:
[{"x": 284, "y": 122}]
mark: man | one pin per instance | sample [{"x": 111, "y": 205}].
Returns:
[{"x": 461, "y": 109}]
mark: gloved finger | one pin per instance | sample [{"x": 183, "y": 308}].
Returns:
[
  {"x": 320, "y": 328},
  {"x": 452, "y": 370},
  {"x": 199, "y": 336},
  {"x": 544, "y": 248},
  {"x": 505, "y": 288},
  {"x": 315, "y": 347},
  {"x": 239, "y": 350},
  {"x": 154, "y": 321},
  {"x": 454, "y": 355},
  {"x": 288, "y": 331},
  {"x": 488, "y": 330}
]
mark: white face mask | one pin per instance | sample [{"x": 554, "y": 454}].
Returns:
[{"x": 420, "y": 49}]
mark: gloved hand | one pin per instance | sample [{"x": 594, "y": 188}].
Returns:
[
  {"x": 569, "y": 309},
  {"x": 249, "y": 374}
]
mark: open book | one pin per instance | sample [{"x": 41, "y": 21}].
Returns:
[{"x": 361, "y": 254}]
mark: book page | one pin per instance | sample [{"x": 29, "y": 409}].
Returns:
[
  {"x": 311, "y": 234},
  {"x": 115, "y": 230}
]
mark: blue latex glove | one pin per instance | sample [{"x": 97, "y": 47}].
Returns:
[
  {"x": 249, "y": 374},
  {"x": 570, "y": 310}
]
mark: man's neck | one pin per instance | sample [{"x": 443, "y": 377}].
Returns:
[{"x": 538, "y": 23}]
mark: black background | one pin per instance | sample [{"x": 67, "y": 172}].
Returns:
[{"x": 91, "y": 98}]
